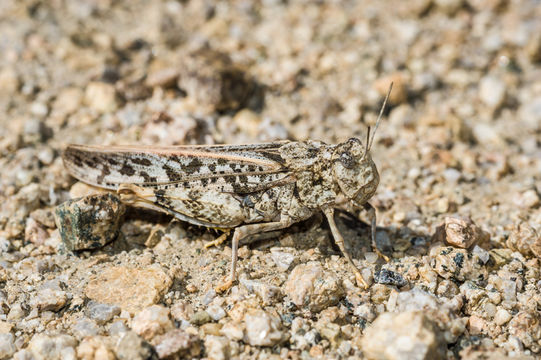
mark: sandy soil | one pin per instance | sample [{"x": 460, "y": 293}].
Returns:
[{"x": 459, "y": 149}]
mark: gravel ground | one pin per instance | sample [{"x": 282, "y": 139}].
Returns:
[{"x": 459, "y": 154}]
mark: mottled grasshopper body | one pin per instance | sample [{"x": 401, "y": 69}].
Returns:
[{"x": 252, "y": 188}]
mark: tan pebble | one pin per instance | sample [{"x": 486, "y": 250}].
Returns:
[
  {"x": 165, "y": 77},
  {"x": 34, "y": 232},
  {"x": 211, "y": 329},
  {"x": 155, "y": 236},
  {"x": 101, "y": 97},
  {"x": 330, "y": 332},
  {"x": 5, "y": 327},
  {"x": 218, "y": 347},
  {"x": 9, "y": 81},
  {"x": 528, "y": 199},
  {"x": 460, "y": 232},
  {"x": 67, "y": 101},
  {"x": 134, "y": 289},
  {"x": 244, "y": 252},
  {"x": 379, "y": 293},
  {"x": 95, "y": 348},
  {"x": 525, "y": 239},
  {"x": 233, "y": 330},
  {"x": 309, "y": 285},
  {"x": 152, "y": 321},
  {"x": 399, "y": 216},
  {"x": 266, "y": 292},
  {"x": 400, "y": 335},
  {"x": 262, "y": 328},
  {"x": 248, "y": 122},
  {"x": 399, "y": 93},
  {"x": 476, "y": 325},
  {"x": 177, "y": 344},
  {"x": 492, "y": 91},
  {"x": 49, "y": 299},
  {"x": 502, "y": 316},
  {"x": 442, "y": 206},
  {"x": 182, "y": 310},
  {"x": 316, "y": 351},
  {"x": 525, "y": 326}
]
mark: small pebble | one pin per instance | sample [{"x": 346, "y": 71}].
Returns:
[
  {"x": 43, "y": 346},
  {"x": 233, "y": 330},
  {"x": 118, "y": 327},
  {"x": 282, "y": 259},
  {"x": 528, "y": 199},
  {"x": 452, "y": 175},
  {"x": 84, "y": 328},
  {"x": 407, "y": 335},
  {"x": 102, "y": 313},
  {"x": 502, "y": 316},
  {"x": 492, "y": 91},
  {"x": 95, "y": 347},
  {"x": 49, "y": 299},
  {"x": 200, "y": 318},
  {"x": 388, "y": 277},
  {"x": 248, "y": 122},
  {"x": 182, "y": 310},
  {"x": 177, "y": 344},
  {"x": 371, "y": 257},
  {"x": 525, "y": 239},
  {"x": 132, "y": 346},
  {"x": 476, "y": 325},
  {"x": 262, "y": 329},
  {"x": 7, "y": 346},
  {"x": 483, "y": 255},
  {"x": 217, "y": 347},
  {"x": 208, "y": 297},
  {"x": 267, "y": 293},
  {"x": 152, "y": 321},
  {"x": 101, "y": 97},
  {"x": 216, "y": 312},
  {"x": 9, "y": 80},
  {"x": 309, "y": 285},
  {"x": 67, "y": 101},
  {"x": 460, "y": 232}
]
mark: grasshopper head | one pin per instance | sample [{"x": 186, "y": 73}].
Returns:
[
  {"x": 353, "y": 168},
  {"x": 354, "y": 171}
]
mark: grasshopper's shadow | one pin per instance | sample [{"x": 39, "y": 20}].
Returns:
[
  {"x": 315, "y": 233},
  {"x": 312, "y": 233}
]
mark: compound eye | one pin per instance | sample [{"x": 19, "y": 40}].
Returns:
[{"x": 347, "y": 160}]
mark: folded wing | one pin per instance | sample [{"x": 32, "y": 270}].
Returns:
[{"x": 228, "y": 168}]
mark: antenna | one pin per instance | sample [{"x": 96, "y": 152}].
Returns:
[
  {"x": 366, "y": 149},
  {"x": 369, "y": 146}
]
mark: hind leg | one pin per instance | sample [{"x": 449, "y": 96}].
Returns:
[{"x": 241, "y": 233}]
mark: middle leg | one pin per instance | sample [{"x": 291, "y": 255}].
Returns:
[{"x": 372, "y": 215}]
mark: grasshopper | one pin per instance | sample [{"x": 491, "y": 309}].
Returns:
[{"x": 251, "y": 188}]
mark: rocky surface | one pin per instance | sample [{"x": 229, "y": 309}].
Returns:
[{"x": 459, "y": 156}]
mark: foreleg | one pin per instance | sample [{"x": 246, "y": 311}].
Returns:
[{"x": 339, "y": 240}]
